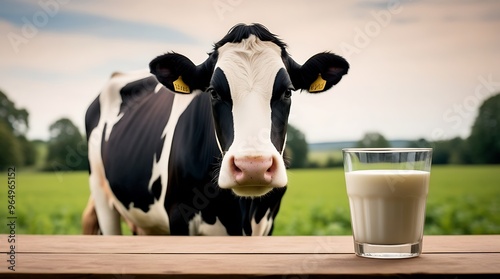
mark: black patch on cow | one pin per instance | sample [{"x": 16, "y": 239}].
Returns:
[
  {"x": 133, "y": 146},
  {"x": 159, "y": 148},
  {"x": 92, "y": 117},
  {"x": 133, "y": 92},
  {"x": 280, "y": 108},
  {"x": 226, "y": 208},
  {"x": 219, "y": 86},
  {"x": 222, "y": 106},
  {"x": 156, "y": 188},
  {"x": 257, "y": 208},
  {"x": 103, "y": 141},
  {"x": 281, "y": 84}
]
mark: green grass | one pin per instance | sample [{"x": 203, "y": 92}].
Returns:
[
  {"x": 462, "y": 200},
  {"x": 47, "y": 203},
  {"x": 311, "y": 192}
]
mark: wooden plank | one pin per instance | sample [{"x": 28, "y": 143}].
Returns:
[
  {"x": 181, "y": 244},
  {"x": 234, "y": 245},
  {"x": 251, "y": 264},
  {"x": 461, "y": 243}
]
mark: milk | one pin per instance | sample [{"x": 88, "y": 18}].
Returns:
[{"x": 387, "y": 206}]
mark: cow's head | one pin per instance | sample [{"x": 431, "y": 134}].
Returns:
[{"x": 250, "y": 77}]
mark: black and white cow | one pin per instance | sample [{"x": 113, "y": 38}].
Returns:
[{"x": 198, "y": 149}]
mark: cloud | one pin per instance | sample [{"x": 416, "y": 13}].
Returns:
[
  {"x": 58, "y": 74},
  {"x": 51, "y": 16}
]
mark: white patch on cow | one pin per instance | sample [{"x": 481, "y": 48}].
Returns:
[
  {"x": 250, "y": 68},
  {"x": 107, "y": 216},
  {"x": 199, "y": 227},
  {"x": 158, "y": 87},
  {"x": 264, "y": 226},
  {"x": 155, "y": 221},
  {"x": 284, "y": 145}
]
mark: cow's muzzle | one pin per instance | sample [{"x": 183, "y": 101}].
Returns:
[{"x": 252, "y": 175}]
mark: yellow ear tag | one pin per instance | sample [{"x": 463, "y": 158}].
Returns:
[
  {"x": 180, "y": 86},
  {"x": 318, "y": 85}
]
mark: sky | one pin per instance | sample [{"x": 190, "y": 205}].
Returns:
[{"x": 419, "y": 68}]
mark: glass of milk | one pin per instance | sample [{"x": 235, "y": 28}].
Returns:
[{"x": 387, "y": 189}]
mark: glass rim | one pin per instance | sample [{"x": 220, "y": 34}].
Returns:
[{"x": 386, "y": 149}]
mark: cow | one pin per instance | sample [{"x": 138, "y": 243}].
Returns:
[{"x": 185, "y": 149}]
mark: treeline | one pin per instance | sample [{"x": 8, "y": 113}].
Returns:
[{"x": 65, "y": 150}]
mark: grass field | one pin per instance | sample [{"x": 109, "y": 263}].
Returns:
[
  {"x": 48, "y": 202},
  {"x": 462, "y": 200}
]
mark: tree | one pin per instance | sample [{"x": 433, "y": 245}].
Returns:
[
  {"x": 67, "y": 149},
  {"x": 440, "y": 153},
  {"x": 484, "y": 140},
  {"x": 373, "y": 140},
  {"x": 16, "y": 119},
  {"x": 28, "y": 150},
  {"x": 297, "y": 148},
  {"x": 15, "y": 124},
  {"x": 10, "y": 150},
  {"x": 453, "y": 151}
]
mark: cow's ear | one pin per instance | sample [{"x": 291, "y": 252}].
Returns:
[
  {"x": 319, "y": 73},
  {"x": 175, "y": 71}
]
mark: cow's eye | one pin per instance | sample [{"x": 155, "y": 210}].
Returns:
[
  {"x": 213, "y": 93},
  {"x": 288, "y": 93}
]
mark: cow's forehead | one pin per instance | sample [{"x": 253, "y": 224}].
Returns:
[
  {"x": 250, "y": 64},
  {"x": 249, "y": 46}
]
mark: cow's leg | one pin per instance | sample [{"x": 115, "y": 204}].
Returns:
[
  {"x": 90, "y": 224},
  {"x": 107, "y": 215}
]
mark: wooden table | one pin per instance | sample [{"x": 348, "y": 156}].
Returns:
[{"x": 133, "y": 257}]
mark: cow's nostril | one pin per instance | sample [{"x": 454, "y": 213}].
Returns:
[
  {"x": 234, "y": 167},
  {"x": 253, "y": 170},
  {"x": 273, "y": 166}
]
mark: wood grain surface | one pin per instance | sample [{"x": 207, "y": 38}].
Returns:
[{"x": 133, "y": 257}]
